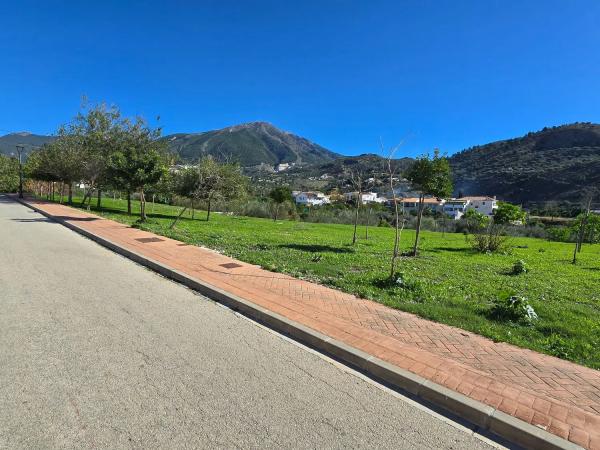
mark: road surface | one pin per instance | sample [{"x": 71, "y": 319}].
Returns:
[{"x": 98, "y": 352}]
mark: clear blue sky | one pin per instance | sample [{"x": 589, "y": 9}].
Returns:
[{"x": 447, "y": 74}]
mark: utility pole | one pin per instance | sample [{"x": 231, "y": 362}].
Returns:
[{"x": 20, "y": 148}]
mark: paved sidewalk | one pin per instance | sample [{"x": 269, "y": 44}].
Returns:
[{"x": 556, "y": 395}]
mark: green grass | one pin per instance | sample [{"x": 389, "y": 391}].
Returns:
[{"x": 448, "y": 283}]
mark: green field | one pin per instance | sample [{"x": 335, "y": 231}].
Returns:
[{"x": 448, "y": 282}]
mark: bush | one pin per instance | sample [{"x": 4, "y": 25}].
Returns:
[
  {"x": 519, "y": 267},
  {"x": 490, "y": 241},
  {"x": 513, "y": 308}
]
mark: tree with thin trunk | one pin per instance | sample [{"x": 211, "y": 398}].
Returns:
[
  {"x": 431, "y": 177},
  {"x": 583, "y": 220},
  {"x": 184, "y": 184},
  {"x": 219, "y": 180},
  {"x": 279, "y": 196},
  {"x": 138, "y": 162},
  {"x": 398, "y": 222},
  {"x": 359, "y": 184}
]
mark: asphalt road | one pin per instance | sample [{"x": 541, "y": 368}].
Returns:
[{"x": 98, "y": 352}]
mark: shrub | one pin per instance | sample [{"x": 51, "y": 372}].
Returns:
[
  {"x": 490, "y": 241},
  {"x": 519, "y": 267},
  {"x": 513, "y": 308}
]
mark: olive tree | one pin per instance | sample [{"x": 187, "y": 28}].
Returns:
[
  {"x": 138, "y": 161},
  {"x": 431, "y": 177}
]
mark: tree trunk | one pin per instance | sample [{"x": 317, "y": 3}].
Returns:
[
  {"x": 70, "y": 199},
  {"x": 128, "y": 203},
  {"x": 153, "y": 197},
  {"x": 415, "y": 251},
  {"x": 367, "y": 225},
  {"x": 177, "y": 218},
  {"x": 193, "y": 210},
  {"x": 356, "y": 219},
  {"x": 581, "y": 233},
  {"x": 62, "y": 192},
  {"x": 208, "y": 211},
  {"x": 142, "y": 206},
  {"x": 99, "y": 201}
]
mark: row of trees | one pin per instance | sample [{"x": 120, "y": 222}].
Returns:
[{"x": 103, "y": 150}]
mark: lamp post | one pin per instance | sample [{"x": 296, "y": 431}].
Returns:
[{"x": 20, "y": 148}]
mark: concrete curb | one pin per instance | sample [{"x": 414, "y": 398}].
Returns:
[{"x": 483, "y": 416}]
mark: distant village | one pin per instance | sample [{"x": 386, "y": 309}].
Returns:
[{"x": 452, "y": 207}]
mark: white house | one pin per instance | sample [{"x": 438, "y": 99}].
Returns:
[
  {"x": 484, "y": 205},
  {"x": 411, "y": 204},
  {"x": 366, "y": 197},
  {"x": 283, "y": 166},
  {"x": 456, "y": 207},
  {"x": 311, "y": 198}
]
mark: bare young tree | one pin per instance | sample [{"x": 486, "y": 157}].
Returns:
[
  {"x": 582, "y": 227},
  {"x": 360, "y": 183},
  {"x": 398, "y": 223}
]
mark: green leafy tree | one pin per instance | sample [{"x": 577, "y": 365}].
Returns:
[
  {"x": 280, "y": 196},
  {"x": 138, "y": 162},
  {"x": 9, "y": 174},
  {"x": 185, "y": 185},
  {"x": 429, "y": 176},
  {"x": 97, "y": 131},
  {"x": 509, "y": 213},
  {"x": 218, "y": 180},
  {"x": 475, "y": 220}
]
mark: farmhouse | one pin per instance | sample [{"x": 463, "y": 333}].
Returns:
[
  {"x": 310, "y": 198},
  {"x": 484, "y": 205},
  {"x": 456, "y": 207},
  {"x": 365, "y": 197},
  {"x": 283, "y": 166},
  {"x": 411, "y": 204}
]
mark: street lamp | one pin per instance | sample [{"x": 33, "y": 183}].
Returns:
[{"x": 20, "y": 149}]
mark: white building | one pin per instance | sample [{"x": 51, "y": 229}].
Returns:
[
  {"x": 311, "y": 198},
  {"x": 282, "y": 166},
  {"x": 484, "y": 205},
  {"x": 411, "y": 204},
  {"x": 456, "y": 207},
  {"x": 366, "y": 197}
]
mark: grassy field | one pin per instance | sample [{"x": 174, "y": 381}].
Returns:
[{"x": 448, "y": 283}]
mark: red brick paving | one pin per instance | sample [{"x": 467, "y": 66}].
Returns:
[{"x": 557, "y": 395}]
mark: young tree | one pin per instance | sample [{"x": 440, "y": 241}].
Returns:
[
  {"x": 138, "y": 162},
  {"x": 95, "y": 130},
  {"x": 185, "y": 185},
  {"x": 430, "y": 176},
  {"x": 65, "y": 156},
  {"x": 218, "y": 181},
  {"x": 359, "y": 182},
  {"x": 9, "y": 174},
  {"x": 583, "y": 221},
  {"x": 392, "y": 174},
  {"x": 509, "y": 213},
  {"x": 279, "y": 197}
]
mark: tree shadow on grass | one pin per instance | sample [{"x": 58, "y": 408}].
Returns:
[
  {"x": 467, "y": 250},
  {"x": 313, "y": 248}
]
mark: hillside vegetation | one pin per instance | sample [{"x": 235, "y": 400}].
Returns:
[
  {"x": 250, "y": 144},
  {"x": 555, "y": 164}
]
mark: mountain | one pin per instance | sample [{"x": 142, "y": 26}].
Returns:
[
  {"x": 555, "y": 164},
  {"x": 9, "y": 142},
  {"x": 250, "y": 144}
]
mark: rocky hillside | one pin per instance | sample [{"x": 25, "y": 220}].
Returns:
[
  {"x": 554, "y": 164},
  {"x": 250, "y": 144}
]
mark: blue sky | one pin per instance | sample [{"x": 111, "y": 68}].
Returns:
[{"x": 447, "y": 74}]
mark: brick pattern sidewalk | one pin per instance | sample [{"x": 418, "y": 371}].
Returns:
[{"x": 556, "y": 395}]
